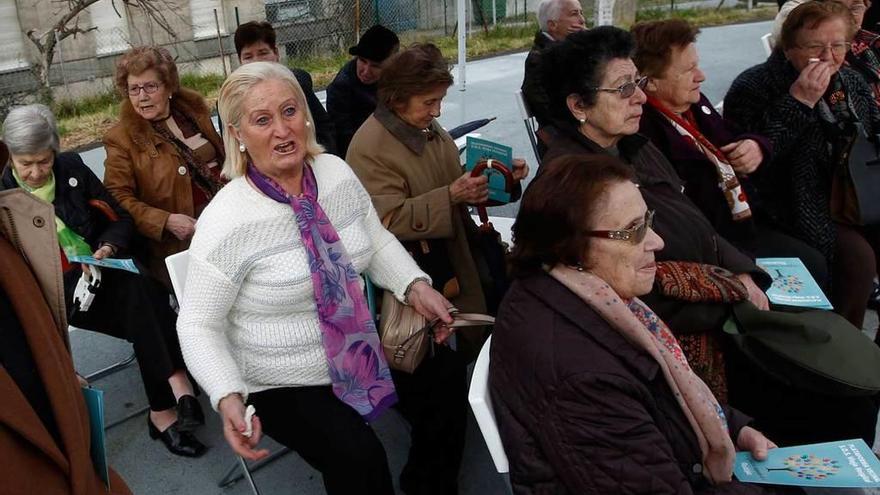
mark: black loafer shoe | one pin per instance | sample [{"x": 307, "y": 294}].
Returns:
[
  {"x": 177, "y": 442},
  {"x": 189, "y": 413},
  {"x": 874, "y": 299}
]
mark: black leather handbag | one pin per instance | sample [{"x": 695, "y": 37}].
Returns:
[{"x": 856, "y": 185}]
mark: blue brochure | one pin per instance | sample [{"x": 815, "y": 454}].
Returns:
[
  {"x": 843, "y": 464},
  {"x": 95, "y": 404},
  {"x": 126, "y": 264},
  {"x": 792, "y": 284},
  {"x": 478, "y": 149}
]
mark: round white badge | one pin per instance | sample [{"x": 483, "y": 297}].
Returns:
[
  {"x": 181, "y": 170},
  {"x": 706, "y": 110},
  {"x": 72, "y": 181}
]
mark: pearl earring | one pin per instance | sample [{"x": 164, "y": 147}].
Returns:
[
  {"x": 241, "y": 147},
  {"x": 582, "y": 120},
  {"x": 308, "y": 124}
]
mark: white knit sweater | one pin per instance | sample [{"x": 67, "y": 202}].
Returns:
[{"x": 248, "y": 320}]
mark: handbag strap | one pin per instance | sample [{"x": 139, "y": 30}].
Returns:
[{"x": 459, "y": 320}]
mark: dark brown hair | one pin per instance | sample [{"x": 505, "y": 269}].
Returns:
[
  {"x": 655, "y": 41},
  {"x": 414, "y": 71},
  {"x": 254, "y": 32},
  {"x": 558, "y": 207},
  {"x": 809, "y": 15},
  {"x": 141, "y": 59}
]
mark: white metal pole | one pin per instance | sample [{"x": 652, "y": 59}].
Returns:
[
  {"x": 494, "y": 14},
  {"x": 462, "y": 41}
]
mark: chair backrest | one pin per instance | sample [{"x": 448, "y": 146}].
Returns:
[
  {"x": 529, "y": 121},
  {"x": 177, "y": 265},
  {"x": 767, "y": 42},
  {"x": 481, "y": 404}
]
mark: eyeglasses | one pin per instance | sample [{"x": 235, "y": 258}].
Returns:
[
  {"x": 816, "y": 49},
  {"x": 626, "y": 89},
  {"x": 634, "y": 235},
  {"x": 149, "y": 88}
]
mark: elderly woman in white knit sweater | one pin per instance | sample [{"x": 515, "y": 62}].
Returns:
[{"x": 274, "y": 313}]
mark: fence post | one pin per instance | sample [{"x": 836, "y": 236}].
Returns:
[
  {"x": 220, "y": 44},
  {"x": 357, "y": 21},
  {"x": 462, "y": 40}
]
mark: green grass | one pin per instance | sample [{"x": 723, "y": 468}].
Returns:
[{"x": 711, "y": 17}]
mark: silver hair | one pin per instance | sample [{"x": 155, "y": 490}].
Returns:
[
  {"x": 548, "y": 10},
  {"x": 31, "y": 129}
]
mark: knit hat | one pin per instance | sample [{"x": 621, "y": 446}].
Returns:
[{"x": 377, "y": 44}]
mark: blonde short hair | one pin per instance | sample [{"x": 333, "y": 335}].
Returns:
[{"x": 232, "y": 96}]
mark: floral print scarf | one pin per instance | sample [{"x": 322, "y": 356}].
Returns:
[
  {"x": 645, "y": 330},
  {"x": 358, "y": 370}
]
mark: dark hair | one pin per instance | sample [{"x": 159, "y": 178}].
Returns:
[
  {"x": 655, "y": 40},
  {"x": 254, "y": 32},
  {"x": 141, "y": 59},
  {"x": 413, "y": 71},
  {"x": 578, "y": 63},
  {"x": 558, "y": 208},
  {"x": 809, "y": 15}
]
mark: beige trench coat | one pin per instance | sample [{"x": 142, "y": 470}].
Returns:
[{"x": 411, "y": 194}]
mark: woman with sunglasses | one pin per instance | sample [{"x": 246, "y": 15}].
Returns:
[
  {"x": 808, "y": 103},
  {"x": 596, "y": 97},
  {"x": 611, "y": 405},
  {"x": 163, "y": 157}
]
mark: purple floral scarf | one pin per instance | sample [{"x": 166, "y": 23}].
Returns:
[{"x": 359, "y": 373}]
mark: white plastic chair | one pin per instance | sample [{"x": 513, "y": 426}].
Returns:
[
  {"x": 529, "y": 121},
  {"x": 767, "y": 42},
  {"x": 481, "y": 404},
  {"x": 177, "y": 265}
]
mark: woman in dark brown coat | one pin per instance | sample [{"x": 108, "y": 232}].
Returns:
[
  {"x": 591, "y": 391},
  {"x": 164, "y": 156}
]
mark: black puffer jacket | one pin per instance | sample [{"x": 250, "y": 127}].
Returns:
[
  {"x": 795, "y": 186},
  {"x": 75, "y": 186},
  {"x": 581, "y": 410},
  {"x": 533, "y": 87},
  {"x": 349, "y": 103}
]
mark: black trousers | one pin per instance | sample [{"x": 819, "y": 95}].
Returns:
[
  {"x": 135, "y": 308},
  {"x": 855, "y": 265},
  {"x": 336, "y": 441}
]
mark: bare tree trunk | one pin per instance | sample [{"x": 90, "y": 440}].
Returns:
[{"x": 47, "y": 42}]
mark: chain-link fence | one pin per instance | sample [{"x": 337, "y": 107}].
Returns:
[
  {"x": 83, "y": 65},
  {"x": 202, "y": 42}
]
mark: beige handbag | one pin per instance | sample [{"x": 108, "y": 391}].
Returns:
[{"x": 406, "y": 335}]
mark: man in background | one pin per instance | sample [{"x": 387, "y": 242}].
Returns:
[
  {"x": 351, "y": 97},
  {"x": 556, "y": 19}
]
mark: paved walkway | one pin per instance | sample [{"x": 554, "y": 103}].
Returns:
[{"x": 149, "y": 469}]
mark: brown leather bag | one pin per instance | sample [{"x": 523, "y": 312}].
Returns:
[{"x": 406, "y": 335}]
